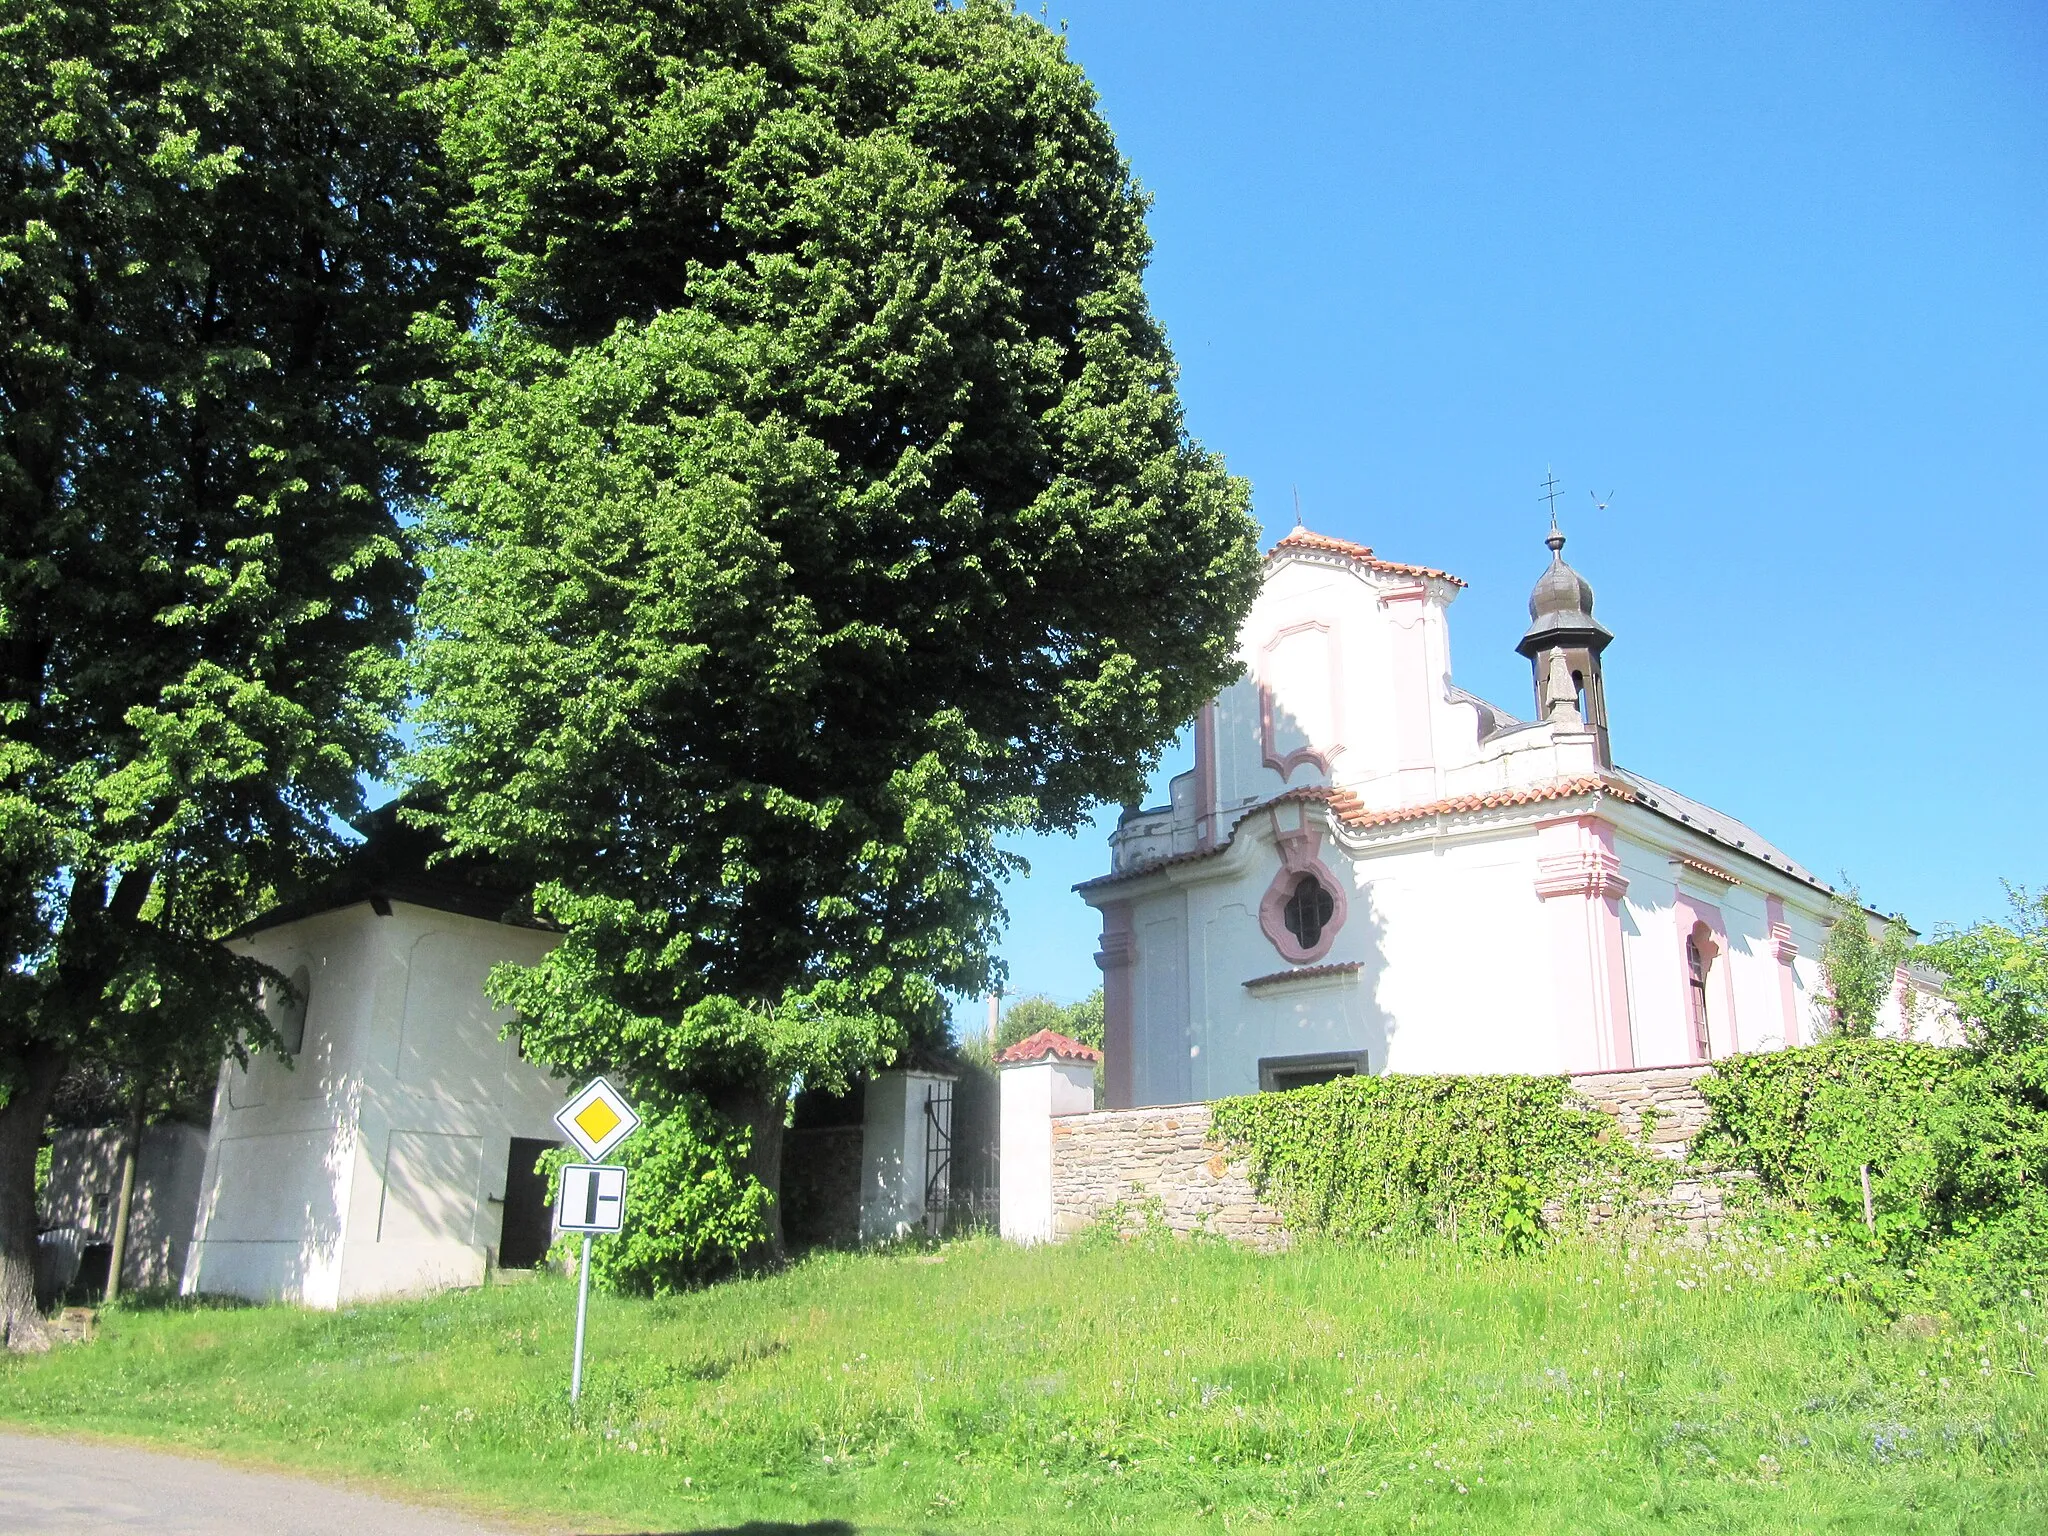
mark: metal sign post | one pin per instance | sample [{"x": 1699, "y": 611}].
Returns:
[
  {"x": 593, "y": 1194},
  {"x": 582, "y": 1311}
]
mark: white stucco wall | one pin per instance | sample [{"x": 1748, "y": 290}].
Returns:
[
  {"x": 369, "y": 1165},
  {"x": 894, "y": 1165},
  {"x": 1034, "y": 1094}
]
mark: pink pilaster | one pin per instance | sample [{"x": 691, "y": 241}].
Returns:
[
  {"x": 1579, "y": 878},
  {"x": 1205, "y": 776},
  {"x": 1117, "y": 957},
  {"x": 1785, "y": 951},
  {"x": 1405, "y": 606}
]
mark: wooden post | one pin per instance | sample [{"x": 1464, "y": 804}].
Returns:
[
  {"x": 124, "y": 1205},
  {"x": 1869, "y": 1216}
]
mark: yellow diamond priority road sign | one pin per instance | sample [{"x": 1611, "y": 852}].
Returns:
[{"x": 598, "y": 1119}]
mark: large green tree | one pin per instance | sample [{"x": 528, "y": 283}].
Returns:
[
  {"x": 217, "y": 223},
  {"x": 821, "y": 509}
]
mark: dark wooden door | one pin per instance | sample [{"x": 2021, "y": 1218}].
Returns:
[{"x": 529, "y": 1210}]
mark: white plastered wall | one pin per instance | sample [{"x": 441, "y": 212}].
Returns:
[
  {"x": 1442, "y": 964},
  {"x": 1354, "y": 659},
  {"x": 1034, "y": 1094},
  {"x": 375, "y": 1163},
  {"x": 894, "y": 1167}
]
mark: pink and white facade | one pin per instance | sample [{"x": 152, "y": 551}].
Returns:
[{"x": 1369, "y": 869}]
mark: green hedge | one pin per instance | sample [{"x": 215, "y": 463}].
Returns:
[
  {"x": 1401, "y": 1157},
  {"x": 1956, "y": 1143}
]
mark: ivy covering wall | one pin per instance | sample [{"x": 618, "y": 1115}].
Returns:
[
  {"x": 1399, "y": 1156},
  {"x": 1955, "y": 1143}
]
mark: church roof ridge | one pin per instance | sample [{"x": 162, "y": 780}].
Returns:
[{"x": 1310, "y": 542}]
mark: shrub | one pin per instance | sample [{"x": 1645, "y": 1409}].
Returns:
[
  {"x": 1997, "y": 974},
  {"x": 693, "y": 1213},
  {"x": 1956, "y": 1143}
]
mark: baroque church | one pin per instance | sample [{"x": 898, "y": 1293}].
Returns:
[{"x": 1371, "y": 870}]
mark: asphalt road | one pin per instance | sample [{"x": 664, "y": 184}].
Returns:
[{"x": 73, "y": 1488}]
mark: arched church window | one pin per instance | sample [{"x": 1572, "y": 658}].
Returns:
[
  {"x": 1696, "y": 974},
  {"x": 1308, "y": 911}
]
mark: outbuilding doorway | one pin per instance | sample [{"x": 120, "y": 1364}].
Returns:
[{"x": 529, "y": 1213}]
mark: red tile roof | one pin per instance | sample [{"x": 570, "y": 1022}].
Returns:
[
  {"x": 1342, "y": 801},
  {"x": 1493, "y": 799},
  {"x": 1047, "y": 1042},
  {"x": 1344, "y": 806},
  {"x": 1324, "y": 544},
  {"x": 1308, "y": 973}
]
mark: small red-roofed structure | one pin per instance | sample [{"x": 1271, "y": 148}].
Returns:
[{"x": 1047, "y": 1042}]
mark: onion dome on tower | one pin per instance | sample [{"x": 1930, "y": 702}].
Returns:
[{"x": 1563, "y": 644}]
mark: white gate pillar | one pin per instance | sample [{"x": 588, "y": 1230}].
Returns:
[
  {"x": 1043, "y": 1078},
  {"x": 893, "y": 1147}
]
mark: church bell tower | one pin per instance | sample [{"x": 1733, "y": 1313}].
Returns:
[{"x": 1563, "y": 644}]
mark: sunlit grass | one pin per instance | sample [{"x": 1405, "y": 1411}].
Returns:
[{"x": 1132, "y": 1387}]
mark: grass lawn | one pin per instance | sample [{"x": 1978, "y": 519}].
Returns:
[{"x": 1128, "y": 1388}]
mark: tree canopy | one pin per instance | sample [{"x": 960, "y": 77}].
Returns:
[
  {"x": 1858, "y": 968},
  {"x": 1996, "y": 974},
  {"x": 819, "y": 509},
  {"x": 220, "y": 221},
  {"x": 1029, "y": 1014}
]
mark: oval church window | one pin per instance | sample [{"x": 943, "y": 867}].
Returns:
[{"x": 1308, "y": 911}]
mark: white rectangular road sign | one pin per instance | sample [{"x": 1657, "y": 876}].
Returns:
[{"x": 593, "y": 1198}]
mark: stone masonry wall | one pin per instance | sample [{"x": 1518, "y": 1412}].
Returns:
[
  {"x": 1158, "y": 1163},
  {"x": 1138, "y": 1156}
]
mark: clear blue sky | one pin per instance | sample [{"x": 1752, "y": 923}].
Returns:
[{"x": 1776, "y": 276}]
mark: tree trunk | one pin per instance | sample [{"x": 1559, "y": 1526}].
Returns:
[
  {"x": 761, "y": 1114},
  {"x": 21, "y": 1133},
  {"x": 124, "y": 1206}
]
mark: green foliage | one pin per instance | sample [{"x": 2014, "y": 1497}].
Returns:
[
  {"x": 817, "y": 509},
  {"x": 1997, "y": 974},
  {"x": 692, "y": 1208},
  {"x": 1025, "y": 1017},
  {"x": 1956, "y": 1144},
  {"x": 1858, "y": 971},
  {"x": 1149, "y": 1388},
  {"x": 1404, "y": 1157},
  {"x": 218, "y": 225},
  {"x": 1518, "y": 1214}
]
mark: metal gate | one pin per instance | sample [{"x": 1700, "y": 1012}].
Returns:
[{"x": 938, "y": 1156}]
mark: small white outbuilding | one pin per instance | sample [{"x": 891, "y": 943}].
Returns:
[{"x": 390, "y": 1149}]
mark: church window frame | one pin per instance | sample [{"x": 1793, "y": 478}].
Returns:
[
  {"x": 1699, "y": 966},
  {"x": 1308, "y": 910},
  {"x": 1285, "y": 890}
]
